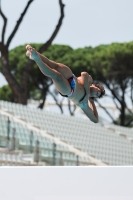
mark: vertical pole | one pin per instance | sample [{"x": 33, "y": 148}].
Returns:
[
  {"x": 54, "y": 154},
  {"x": 77, "y": 160},
  {"x": 31, "y": 142},
  {"x": 8, "y": 129},
  {"x": 37, "y": 152},
  {"x": 8, "y": 134},
  {"x": 61, "y": 159},
  {"x": 13, "y": 145}
]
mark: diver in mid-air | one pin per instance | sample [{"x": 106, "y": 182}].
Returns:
[{"x": 77, "y": 89}]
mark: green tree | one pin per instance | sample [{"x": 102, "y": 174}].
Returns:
[
  {"x": 6, "y": 93},
  {"x": 128, "y": 119},
  {"x": 111, "y": 65}
]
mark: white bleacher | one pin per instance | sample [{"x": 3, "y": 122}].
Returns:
[
  {"x": 13, "y": 159},
  {"x": 128, "y": 132},
  {"x": 23, "y": 135},
  {"x": 101, "y": 142}
]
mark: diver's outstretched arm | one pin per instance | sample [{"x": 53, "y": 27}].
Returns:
[
  {"x": 91, "y": 111},
  {"x": 93, "y": 107}
]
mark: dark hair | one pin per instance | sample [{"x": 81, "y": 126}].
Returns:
[{"x": 101, "y": 88}]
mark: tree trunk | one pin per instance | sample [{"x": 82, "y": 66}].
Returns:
[{"x": 20, "y": 91}]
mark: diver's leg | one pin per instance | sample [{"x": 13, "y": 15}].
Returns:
[
  {"x": 61, "y": 83},
  {"x": 63, "y": 69}
]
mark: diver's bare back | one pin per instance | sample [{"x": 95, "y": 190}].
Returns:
[{"x": 79, "y": 91}]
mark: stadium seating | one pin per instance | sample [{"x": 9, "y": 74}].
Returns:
[
  {"x": 108, "y": 143},
  {"x": 22, "y": 135}
]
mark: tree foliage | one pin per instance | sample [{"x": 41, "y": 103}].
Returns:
[
  {"x": 114, "y": 68},
  {"x": 111, "y": 65},
  {"x": 6, "y": 93}
]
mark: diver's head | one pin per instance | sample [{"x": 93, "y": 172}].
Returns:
[{"x": 96, "y": 90}]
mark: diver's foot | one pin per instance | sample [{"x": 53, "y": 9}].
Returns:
[{"x": 32, "y": 53}]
